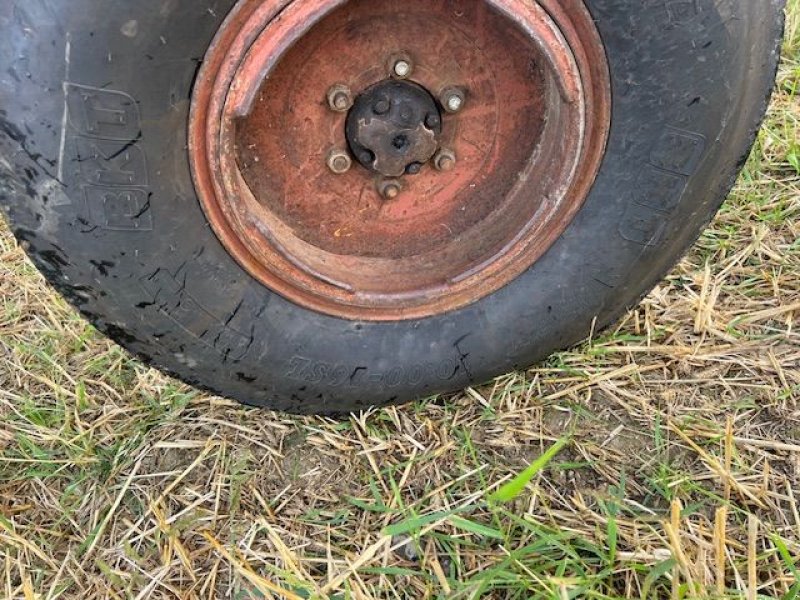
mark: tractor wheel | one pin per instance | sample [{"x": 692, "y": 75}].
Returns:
[{"x": 319, "y": 206}]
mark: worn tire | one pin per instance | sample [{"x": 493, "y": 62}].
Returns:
[{"x": 690, "y": 84}]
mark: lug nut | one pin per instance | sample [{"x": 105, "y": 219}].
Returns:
[
  {"x": 390, "y": 188},
  {"x": 444, "y": 160},
  {"x": 402, "y": 69},
  {"x": 339, "y": 162},
  {"x": 401, "y": 66},
  {"x": 453, "y": 99},
  {"x": 340, "y": 98}
]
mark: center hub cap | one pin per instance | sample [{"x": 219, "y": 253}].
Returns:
[{"x": 394, "y": 128}]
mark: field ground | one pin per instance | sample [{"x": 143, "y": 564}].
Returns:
[{"x": 679, "y": 474}]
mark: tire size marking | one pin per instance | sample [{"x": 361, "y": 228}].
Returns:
[
  {"x": 661, "y": 184},
  {"x": 106, "y": 162},
  {"x": 336, "y": 375}
]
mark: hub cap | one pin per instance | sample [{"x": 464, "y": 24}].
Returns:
[
  {"x": 394, "y": 128},
  {"x": 376, "y": 160}
]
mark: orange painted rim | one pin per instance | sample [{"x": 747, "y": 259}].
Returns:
[{"x": 528, "y": 144}]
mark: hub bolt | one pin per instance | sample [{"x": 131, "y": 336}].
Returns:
[
  {"x": 401, "y": 66},
  {"x": 390, "y": 188},
  {"x": 367, "y": 157},
  {"x": 402, "y": 69},
  {"x": 432, "y": 121},
  {"x": 381, "y": 107},
  {"x": 445, "y": 160},
  {"x": 414, "y": 168},
  {"x": 340, "y": 98},
  {"x": 453, "y": 99},
  {"x": 339, "y": 161}
]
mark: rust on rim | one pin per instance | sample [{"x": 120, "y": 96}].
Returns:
[{"x": 378, "y": 160}]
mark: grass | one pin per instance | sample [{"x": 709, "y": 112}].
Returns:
[{"x": 660, "y": 460}]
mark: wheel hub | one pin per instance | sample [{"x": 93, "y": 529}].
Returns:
[
  {"x": 303, "y": 162},
  {"x": 394, "y": 128}
]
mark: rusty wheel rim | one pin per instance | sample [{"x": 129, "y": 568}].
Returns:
[{"x": 523, "y": 97}]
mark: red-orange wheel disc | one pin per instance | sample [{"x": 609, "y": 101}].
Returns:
[{"x": 281, "y": 178}]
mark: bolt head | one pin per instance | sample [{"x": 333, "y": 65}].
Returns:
[
  {"x": 433, "y": 121},
  {"x": 402, "y": 68},
  {"x": 339, "y": 162},
  {"x": 454, "y": 103},
  {"x": 381, "y": 107},
  {"x": 340, "y": 98},
  {"x": 453, "y": 100},
  {"x": 340, "y": 101},
  {"x": 445, "y": 160},
  {"x": 390, "y": 188}
]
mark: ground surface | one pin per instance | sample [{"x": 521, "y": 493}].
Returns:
[{"x": 679, "y": 474}]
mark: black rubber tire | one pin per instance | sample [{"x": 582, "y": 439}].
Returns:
[{"x": 121, "y": 234}]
